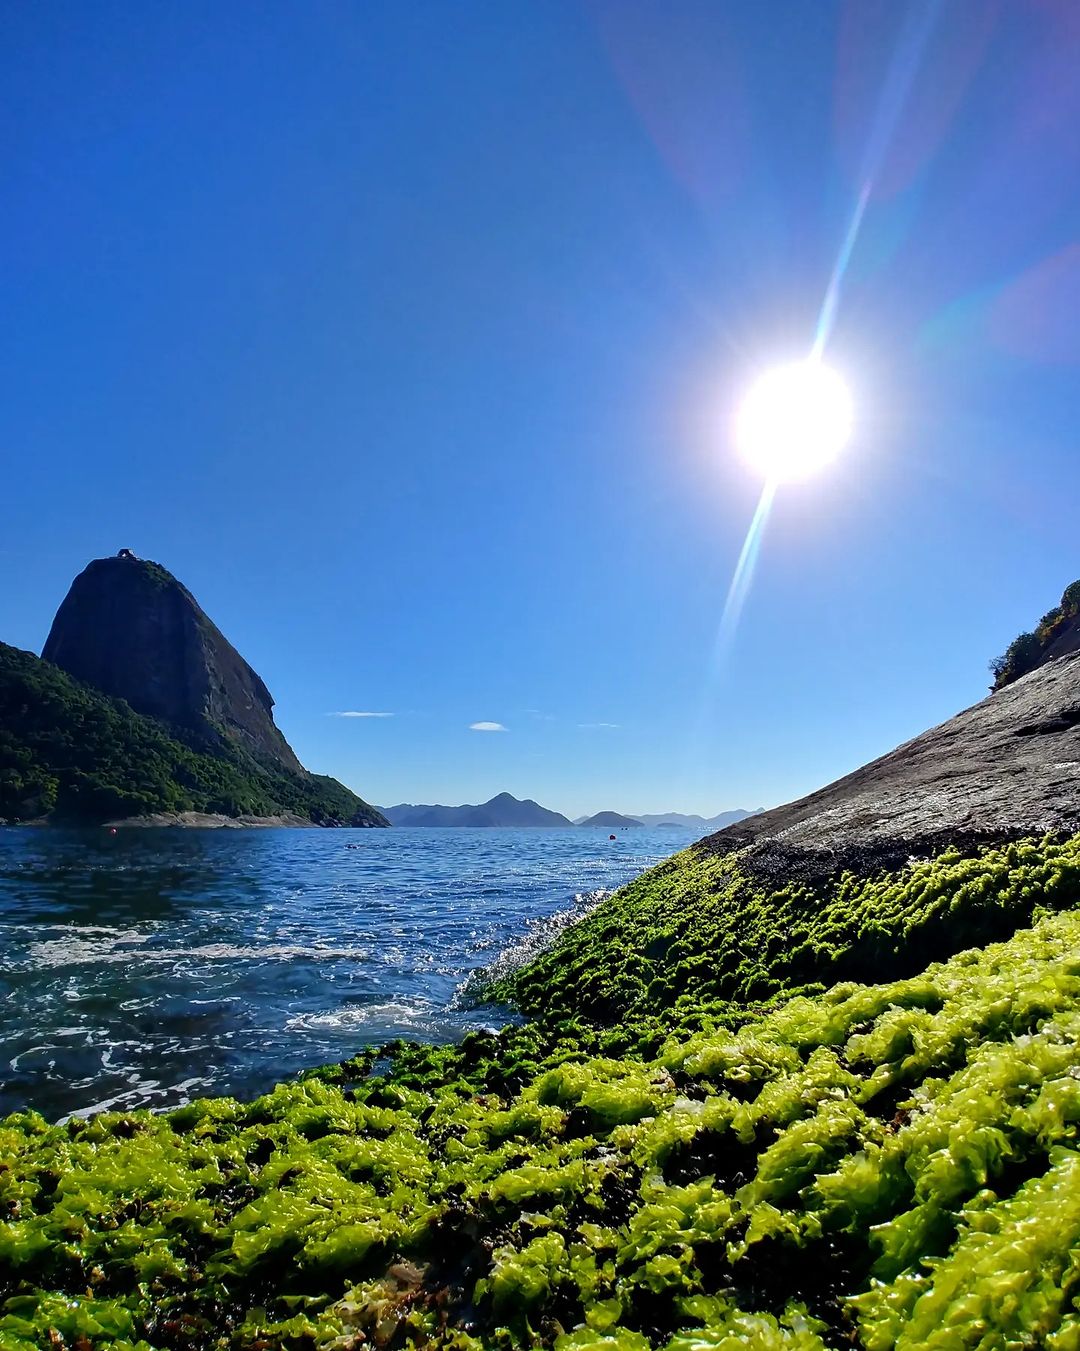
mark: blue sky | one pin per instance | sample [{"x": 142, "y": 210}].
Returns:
[{"x": 408, "y": 337}]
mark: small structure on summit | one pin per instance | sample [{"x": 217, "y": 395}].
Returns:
[{"x": 126, "y": 553}]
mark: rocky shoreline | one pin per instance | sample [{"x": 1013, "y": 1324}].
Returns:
[
  {"x": 200, "y": 821},
  {"x": 210, "y": 821}
]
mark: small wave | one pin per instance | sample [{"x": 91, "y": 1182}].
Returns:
[
  {"x": 408, "y": 1012},
  {"x": 108, "y": 931},
  {"x": 407, "y": 1017},
  {"x": 149, "y": 1093},
  {"x": 539, "y": 935},
  {"x": 78, "y": 951}
]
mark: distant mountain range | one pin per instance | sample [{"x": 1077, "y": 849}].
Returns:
[
  {"x": 503, "y": 810},
  {"x": 613, "y": 820},
  {"x": 507, "y": 810},
  {"x": 669, "y": 820},
  {"x": 703, "y": 823}
]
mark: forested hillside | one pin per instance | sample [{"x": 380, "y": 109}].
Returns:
[{"x": 72, "y": 754}]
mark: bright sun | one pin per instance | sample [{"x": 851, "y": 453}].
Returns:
[{"x": 794, "y": 421}]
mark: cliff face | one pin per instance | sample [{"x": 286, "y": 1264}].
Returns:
[
  {"x": 130, "y": 629},
  {"x": 197, "y": 733}
]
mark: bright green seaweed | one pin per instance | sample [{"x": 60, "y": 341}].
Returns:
[
  {"x": 699, "y": 928},
  {"x": 648, "y": 1165}
]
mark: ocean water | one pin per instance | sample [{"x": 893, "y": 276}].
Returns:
[{"x": 150, "y": 967}]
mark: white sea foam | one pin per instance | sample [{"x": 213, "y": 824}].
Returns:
[
  {"x": 139, "y": 1095},
  {"x": 406, "y": 1012},
  {"x": 539, "y": 935},
  {"x": 143, "y": 1092},
  {"x": 78, "y": 950}
]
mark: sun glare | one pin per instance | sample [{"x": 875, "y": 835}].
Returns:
[{"x": 794, "y": 421}]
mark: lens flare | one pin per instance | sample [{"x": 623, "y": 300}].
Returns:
[{"x": 794, "y": 421}]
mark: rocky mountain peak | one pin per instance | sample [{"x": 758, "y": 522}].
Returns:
[{"x": 130, "y": 629}]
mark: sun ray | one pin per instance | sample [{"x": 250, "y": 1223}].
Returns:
[
  {"x": 829, "y": 306},
  {"x": 744, "y": 572}
]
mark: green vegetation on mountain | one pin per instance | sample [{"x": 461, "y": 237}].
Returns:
[
  {"x": 75, "y": 755},
  {"x": 887, "y": 1165},
  {"x": 1029, "y": 650},
  {"x": 141, "y": 706}
]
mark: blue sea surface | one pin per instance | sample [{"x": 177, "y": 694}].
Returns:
[{"x": 150, "y": 967}]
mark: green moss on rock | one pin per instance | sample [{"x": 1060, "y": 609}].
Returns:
[{"x": 699, "y": 930}]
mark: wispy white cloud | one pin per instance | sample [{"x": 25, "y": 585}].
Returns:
[
  {"x": 486, "y": 727},
  {"x": 358, "y": 713},
  {"x": 598, "y": 724}
]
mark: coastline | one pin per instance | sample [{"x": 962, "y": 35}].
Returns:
[
  {"x": 702, "y": 1090},
  {"x": 193, "y": 821},
  {"x": 210, "y": 821}
]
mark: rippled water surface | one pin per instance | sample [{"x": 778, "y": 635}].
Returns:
[{"x": 152, "y": 966}]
